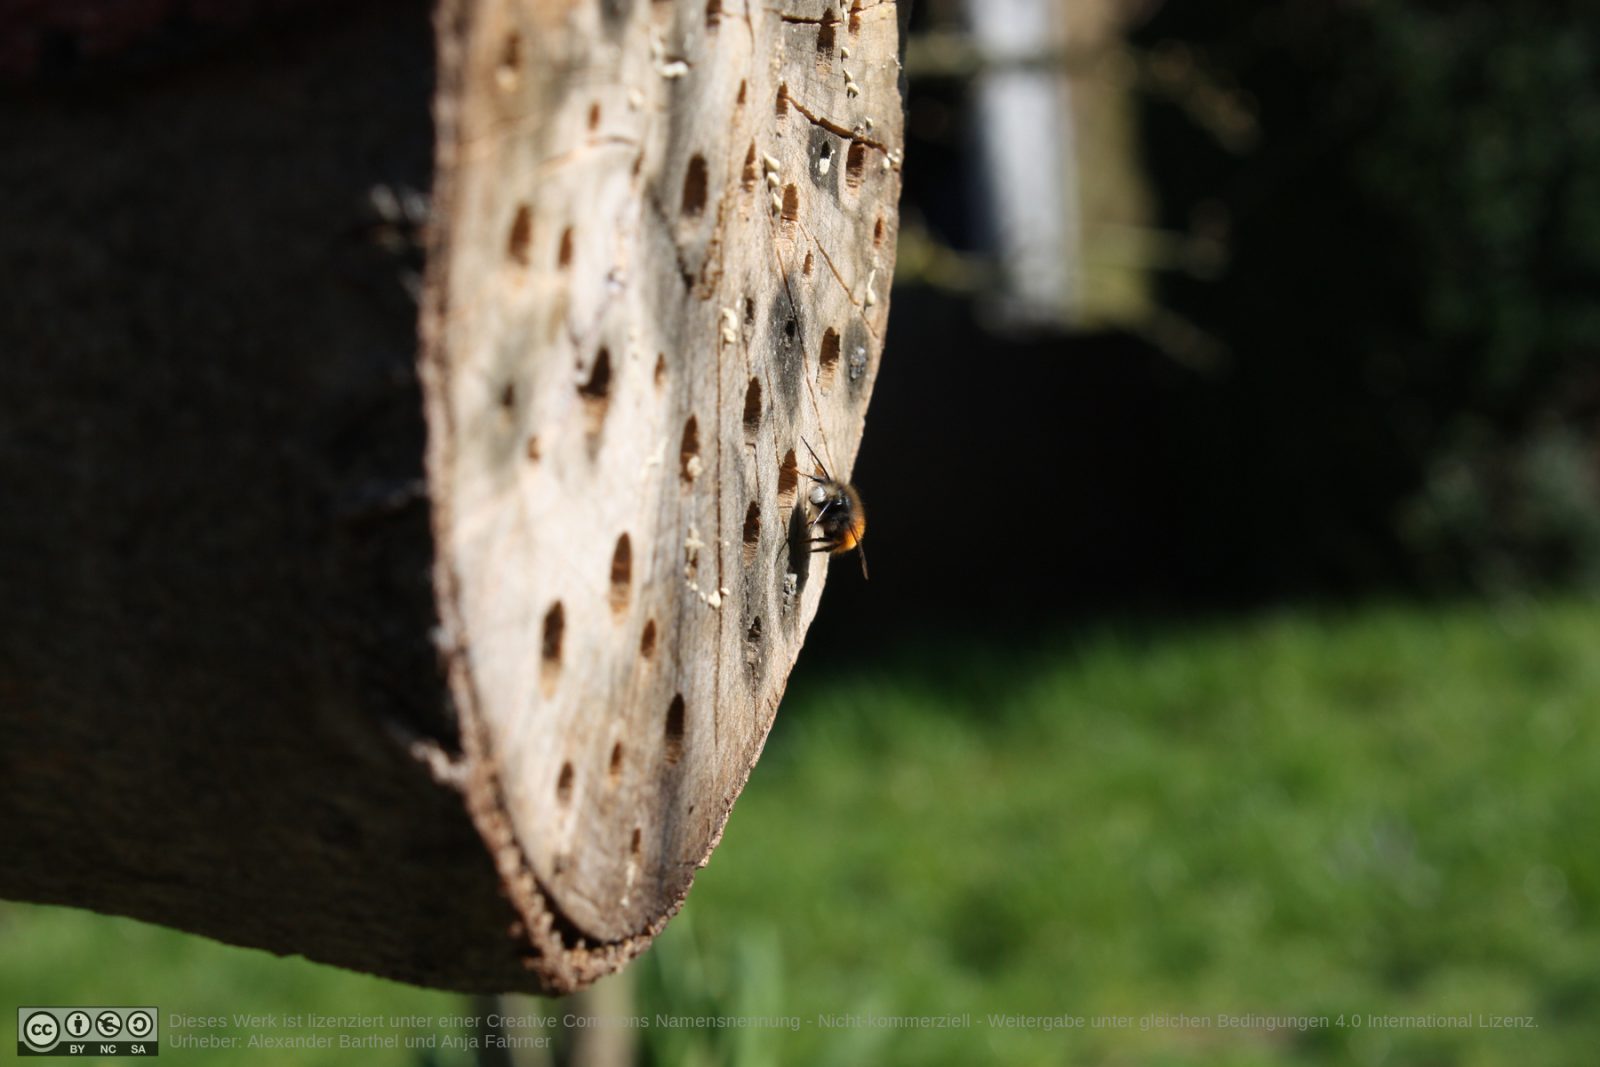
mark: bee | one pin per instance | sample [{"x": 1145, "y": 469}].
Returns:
[{"x": 841, "y": 518}]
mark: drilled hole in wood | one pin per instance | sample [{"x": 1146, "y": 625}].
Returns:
[
  {"x": 694, "y": 186},
  {"x": 788, "y": 479},
  {"x": 878, "y": 230},
  {"x": 808, "y": 265},
  {"x": 791, "y": 329},
  {"x": 825, "y": 34},
  {"x": 673, "y": 748},
  {"x": 749, "y": 176},
  {"x": 647, "y": 640},
  {"x": 621, "y": 574},
  {"x": 596, "y": 392},
  {"x": 855, "y": 166},
  {"x": 555, "y": 624},
  {"x": 828, "y": 359},
  {"x": 509, "y": 69},
  {"x": 791, "y": 210},
  {"x": 781, "y": 108},
  {"x": 661, "y": 369},
  {"x": 532, "y": 448},
  {"x": 636, "y": 840},
  {"x": 752, "y": 411},
  {"x": 752, "y": 532},
  {"x": 614, "y": 767},
  {"x": 594, "y": 117},
  {"x": 713, "y": 14},
  {"x": 564, "y": 785},
  {"x": 689, "y": 451},
  {"x": 564, "y": 254},
  {"x": 521, "y": 236}
]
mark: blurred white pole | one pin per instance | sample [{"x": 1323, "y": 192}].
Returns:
[{"x": 1025, "y": 144}]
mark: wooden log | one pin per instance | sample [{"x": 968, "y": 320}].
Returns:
[{"x": 433, "y": 639}]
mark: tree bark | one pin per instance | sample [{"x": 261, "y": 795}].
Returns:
[{"x": 413, "y": 587}]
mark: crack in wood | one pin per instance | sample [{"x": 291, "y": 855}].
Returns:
[
  {"x": 849, "y": 294},
  {"x": 561, "y": 159},
  {"x": 794, "y": 308},
  {"x": 834, "y": 127},
  {"x": 684, "y": 272}
]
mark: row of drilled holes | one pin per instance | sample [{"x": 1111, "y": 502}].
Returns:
[
  {"x": 553, "y": 634},
  {"x": 519, "y": 241},
  {"x": 693, "y": 203},
  {"x": 694, "y": 176},
  {"x": 595, "y": 394},
  {"x": 675, "y": 726},
  {"x": 621, "y": 576},
  {"x": 672, "y": 743},
  {"x": 855, "y": 157},
  {"x": 714, "y": 20},
  {"x": 596, "y": 391}
]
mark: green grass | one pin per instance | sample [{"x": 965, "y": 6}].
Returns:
[
  {"x": 1395, "y": 813},
  {"x": 1390, "y": 812}
]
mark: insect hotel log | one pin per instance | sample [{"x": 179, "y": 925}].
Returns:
[{"x": 404, "y": 545}]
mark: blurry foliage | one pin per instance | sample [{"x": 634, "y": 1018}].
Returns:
[{"x": 1410, "y": 305}]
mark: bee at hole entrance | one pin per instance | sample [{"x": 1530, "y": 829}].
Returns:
[{"x": 841, "y": 519}]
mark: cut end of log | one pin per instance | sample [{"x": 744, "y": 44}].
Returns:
[{"x": 707, "y": 262}]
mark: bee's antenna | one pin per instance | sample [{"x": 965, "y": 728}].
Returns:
[{"x": 820, "y": 465}]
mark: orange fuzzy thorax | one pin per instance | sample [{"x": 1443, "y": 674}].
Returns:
[{"x": 851, "y": 536}]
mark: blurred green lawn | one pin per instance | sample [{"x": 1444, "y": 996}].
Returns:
[{"x": 1388, "y": 812}]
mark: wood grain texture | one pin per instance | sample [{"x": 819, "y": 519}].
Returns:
[
  {"x": 640, "y": 301},
  {"x": 436, "y": 651}
]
